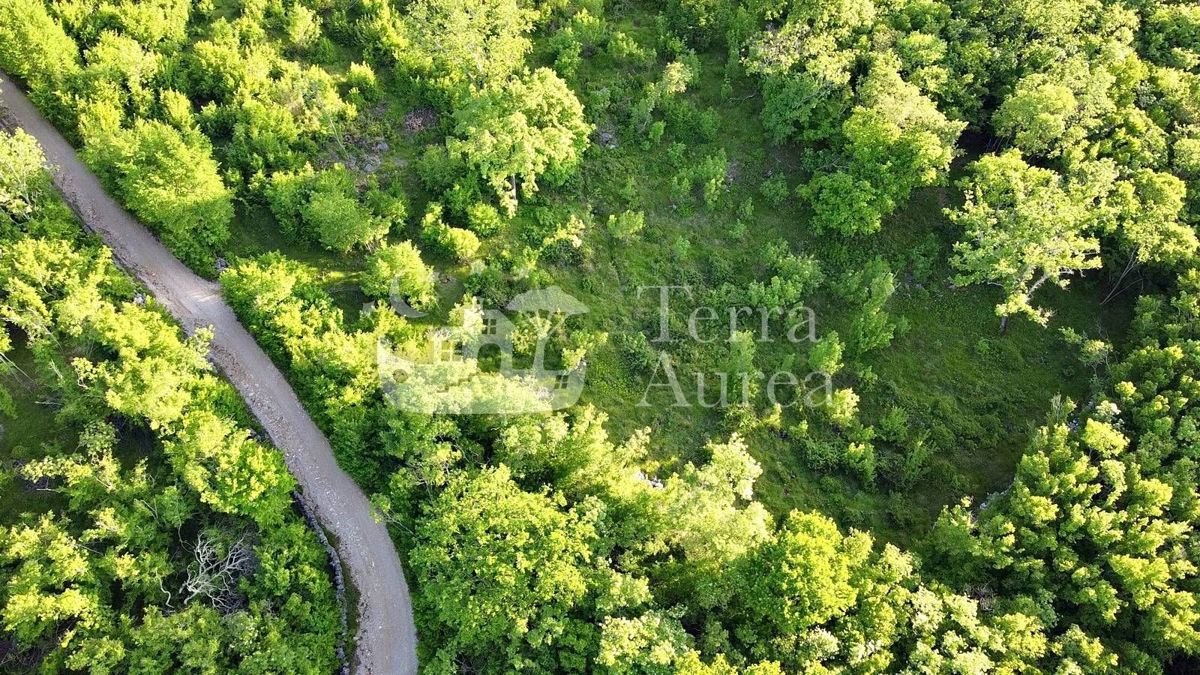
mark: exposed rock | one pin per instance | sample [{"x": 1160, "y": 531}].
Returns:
[
  {"x": 732, "y": 171},
  {"x": 420, "y": 119},
  {"x": 605, "y": 137}
]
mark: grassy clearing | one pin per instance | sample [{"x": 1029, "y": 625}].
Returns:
[
  {"x": 974, "y": 393},
  {"x": 979, "y": 391}
]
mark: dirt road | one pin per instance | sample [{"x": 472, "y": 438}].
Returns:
[{"x": 386, "y": 638}]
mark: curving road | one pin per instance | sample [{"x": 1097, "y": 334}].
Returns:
[{"x": 386, "y": 642}]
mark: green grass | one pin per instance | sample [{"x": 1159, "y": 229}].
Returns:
[
  {"x": 952, "y": 370},
  {"x": 25, "y": 432}
]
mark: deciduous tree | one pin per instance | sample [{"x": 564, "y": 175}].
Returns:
[
  {"x": 514, "y": 132},
  {"x": 1024, "y": 226}
]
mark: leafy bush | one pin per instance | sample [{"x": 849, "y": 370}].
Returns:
[
  {"x": 167, "y": 178},
  {"x": 364, "y": 87},
  {"x": 324, "y": 207},
  {"x": 396, "y": 270},
  {"x": 626, "y": 225},
  {"x": 454, "y": 241},
  {"x": 483, "y": 219},
  {"x": 775, "y": 189},
  {"x": 826, "y": 354}
]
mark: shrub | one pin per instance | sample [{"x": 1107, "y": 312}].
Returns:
[
  {"x": 390, "y": 203},
  {"x": 339, "y": 221},
  {"x": 397, "y": 270},
  {"x": 711, "y": 173},
  {"x": 454, "y": 241},
  {"x": 860, "y": 458},
  {"x": 361, "y": 81},
  {"x": 776, "y": 190},
  {"x": 826, "y": 355},
  {"x": 484, "y": 219},
  {"x": 462, "y": 244},
  {"x": 324, "y": 207},
  {"x": 842, "y": 406},
  {"x": 626, "y": 225},
  {"x": 894, "y": 425}
]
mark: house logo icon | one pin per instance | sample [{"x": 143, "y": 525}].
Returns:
[{"x": 472, "y": 369}]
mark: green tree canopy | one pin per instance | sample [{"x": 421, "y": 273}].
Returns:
[
  {"x": 1024, "y": 226},
  {"x": 514, "y": 132}
]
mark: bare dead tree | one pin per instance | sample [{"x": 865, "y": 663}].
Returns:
[{"x": 214, "y": 577}]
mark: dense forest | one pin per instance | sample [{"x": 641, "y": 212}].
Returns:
[
  {"x": 974, "y": 222},
  {"x": 148, "y": 530}
]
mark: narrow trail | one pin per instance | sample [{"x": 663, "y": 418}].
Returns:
[{"x": 386, "y": 640}]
